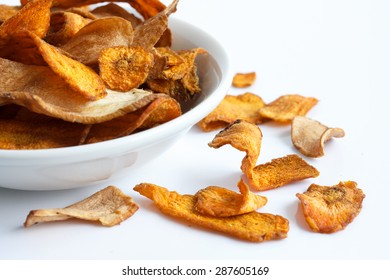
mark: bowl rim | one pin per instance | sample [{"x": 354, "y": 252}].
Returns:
[{"x": 146, "y": 137}]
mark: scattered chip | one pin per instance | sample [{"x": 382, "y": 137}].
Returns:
[
  {"x": 109, "y": 206},
  {"x": 330, "y": 209},
  {"x": 309, "y": 136},
  {"x": 221, "y": 202},
  {"x": 280, "y": 172},
  {"x": 254, "y": 226},
  {"x": 124, "y": 68},
  {"x": 286, "y": 107},
  {"x": 244, "y": 107},
  {"x": 242, "y": 80}
]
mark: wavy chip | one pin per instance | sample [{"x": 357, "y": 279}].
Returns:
[
  {"x": 221, "y": 202},
  {"x": 254, "y": 226},
  {"x": 109, "y": 207},
  {"x": 309, "y": 136},
  {"x": 244, "y": 107},
  {"x": 280, "y": 172},
  {"x": 331, "y": 209},
  {"x": 125, "y": 68},
  {"x": 286, "y": 107},
  {"x": 242, "y": 80}
]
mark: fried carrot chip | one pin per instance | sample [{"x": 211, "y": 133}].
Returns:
[
  {"x": 309, "y": 136},
  {"x": 244, "y": 107},
  {"x": 159, "y": 111},
  {"x": 330, "y": 209},
  {"x": 244, "y": 136},
  {"x": 7, "y": 11},
  {"x": 286, "y": 107},
  {"x": 242, "y": 80},
  {"x": 124, "y": 68},
  {"x": 109, "y": 206},
  {"x": 281, "y": 171},
  {"x": 254, "y": 226},
  {"x": 40, "y": 90},
  {"x": 147, "y": 8},
  {"x": 221, "y": 202}
]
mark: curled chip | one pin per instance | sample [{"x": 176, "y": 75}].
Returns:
[
  {"x": 242, "y": 80},
  {"x": 244, "y": 107},
  {"x": 281, "y": 171},
  {"x": 222, "y": 202},
  {"x": 286, "y": 107},
  {"x": 254, "y": 226},
  {"x": 309, "y": 136},
  {"x": 109, "y": 206},
  {"x": 330, "y": 209},
  {"x": 124, "y": 68}
]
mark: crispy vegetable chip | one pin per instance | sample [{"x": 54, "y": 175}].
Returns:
[
  {"x": 254, "y": 226},
  {"x": 112, "y": 9},
  {"x": 109, "y": 206},
  {"x": 309, "y": 136},
  {"x": 281, "y": 171},
  {"x": 124, "y": 68},
  {"x": 330, "y": 209},
  {"x": 222, "y": 202},
  {"x": 7, "y": 11},
  {"x": 242, "y": 80},
  {"x": 40, "y": 90},
  {"x": 286, "y": 107},
  {"x": 244, "y": 107}
]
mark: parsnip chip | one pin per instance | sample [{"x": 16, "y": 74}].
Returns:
[
  {"x": 242, "y": 80},
  {"x": 42, "y": 91},
  {"x": 221, "y": 202},
  {"x": 254, "y": 226},
  {"x": 309, "y": 136},
  {"x": 330, "y": 209},
  {"x": 244, "y": 136},
  {"x": 86, "y": 45},
  {"x": 281, "y": 171},
  {"x": 124, "y": 68},
  {"x": 244, "y": 107},
  {"x": 159, "y": 111},
  {"x": 286, "y": 107},
  {"x": 109, "y": 206}
]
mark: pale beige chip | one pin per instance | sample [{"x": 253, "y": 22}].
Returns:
[
  {"x": 109, "y": 206},
  {"x": 242, "y": 80},
  {"x": 233, "y": 107},
  {"x": 309, "y": 136},
  {"x": 286, "y": 107},
  {"x": 330, "y": 209},
  {"x": 253, "y": 226}
]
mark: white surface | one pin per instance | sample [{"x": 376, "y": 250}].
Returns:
[{"x": 336, "y": 51}]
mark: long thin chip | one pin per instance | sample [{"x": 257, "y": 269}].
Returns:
[
  {"x": 109, "y": 206},
  {"x": 254, "y": 226},
  {"x": 330, "y": 209}
]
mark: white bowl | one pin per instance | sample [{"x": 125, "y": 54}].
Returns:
[{"x": 79, "y": 166}]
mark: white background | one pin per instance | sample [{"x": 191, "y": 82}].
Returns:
[{"x": 336, "y": 51}]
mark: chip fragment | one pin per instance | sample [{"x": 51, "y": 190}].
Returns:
[
  {"x": 109, "y": 206},
  {"x": 253, "y": 226},
  {"x": 286, "y": 107},
  {"x": 221, "y": 202},
  {"x": 309, "y": 136},
  {"x": 243, "y": 106},
  {"x": 331, "y": 209},
  {"x": 242, "y": 80}
]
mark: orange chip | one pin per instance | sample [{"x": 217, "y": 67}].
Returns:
[
  {"x": 124, "y": 68},
  {"x": 309, "y": 136},
  {"x": 254, "y": 226},
  {"x": 244, "y": 107},
  {"x": 7, "y": 11},
  {"x": 330, "y": 209},
  {"x": 222, "y": 202},
  {"x": 109, "y": 206},
  {"x": 242, "y": 80},
  {"x": 281, "y": 171},
  {"x": 286, "y": 107},
  {"x": 147, "y": 8}
]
